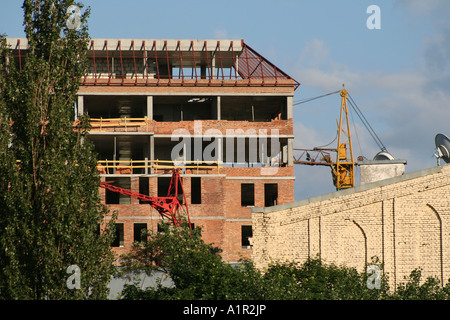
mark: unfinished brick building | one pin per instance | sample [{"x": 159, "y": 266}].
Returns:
[{"x": 218, "y": 108}]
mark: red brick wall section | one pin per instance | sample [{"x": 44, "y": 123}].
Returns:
[
  {"x": 283, "y": 127},
  {"x": 220, "y": 213}
]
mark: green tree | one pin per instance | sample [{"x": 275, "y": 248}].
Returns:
[
  {"x": 195, "y": 267},
  {"x": 416, "y": 289},
  {"x": 50, "y": 208}
]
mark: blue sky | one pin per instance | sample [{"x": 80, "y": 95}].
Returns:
[{"x": 398, "y": 75}]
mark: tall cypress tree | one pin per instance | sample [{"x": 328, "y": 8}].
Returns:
[{"x": 50, "y": 209}]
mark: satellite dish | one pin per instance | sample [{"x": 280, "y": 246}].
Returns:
[
  {"x": 443, "y": 147},
  {"x": 383, "y": 155}
]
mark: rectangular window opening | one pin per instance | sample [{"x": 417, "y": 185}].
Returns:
[
  {"x": 118, "y": 239},
  {"x": 247, "y": 233},
  {"x": 144, "y": 188},
  {"x": 270, "y": 194},
  {"x": 139, "y": 231},
  {"x": 247, "y": 194},
  {"x": 196, "y": 190},
  {"x": 116, "y": 197},
  {"x": 163, "y": 186}
]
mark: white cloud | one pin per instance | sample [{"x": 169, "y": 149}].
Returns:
[
  {"x": 419, "y": 6},
  {"x": 315, "y": 54},
  {"x": 328, "y": 81},
  {"x": 220, "y": 34}
]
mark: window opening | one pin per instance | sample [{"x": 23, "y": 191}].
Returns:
[
  {"x": 247, "y": 194},
  {"x": 270, "y": 194},
  {"x": 247, "y": 233},
  {"x": 196, "y": 190},
  {"x": 118, "y": 239},
  {"x": 138, "y": 231}
]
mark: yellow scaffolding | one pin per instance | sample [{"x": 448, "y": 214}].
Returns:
[
  {"x": 129, "y": 165},
  {"x": 100, "y": 123}
]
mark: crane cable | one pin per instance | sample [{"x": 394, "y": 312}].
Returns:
[
  {"x": 314, "y": 98},
  {"x": 357, "y": 111},
  {"x": 366, "y": 124},
  {"x": 356, "y": 131}
]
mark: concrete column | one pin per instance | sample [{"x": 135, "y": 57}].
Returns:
[
  {"x": 218, "y": 108},
  {"x": 290, "y": 152},
  {"x": 80, "y": 106},
  {"x": 213, "y": 66},
  {"x": 290, "y": 107},
  {"x": 146, "y": 150},
  {"x": 152, "y": 151},
  {"x": 150, "y": 107},
  {"x": 219, "y": 149}
]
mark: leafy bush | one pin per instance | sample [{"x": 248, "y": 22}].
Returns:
[{"x": 199, "y": 273}]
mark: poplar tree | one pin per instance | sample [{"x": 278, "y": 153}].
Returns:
[{"x": 50, "y": 207}]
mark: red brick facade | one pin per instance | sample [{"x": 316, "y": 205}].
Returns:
[{"x": 220, "y": 213}]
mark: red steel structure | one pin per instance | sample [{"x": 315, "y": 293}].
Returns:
[
  {"x": 169, "y": 207},
  {"x": 222, "y": 67},
  {"x": 224, "y": 64}
]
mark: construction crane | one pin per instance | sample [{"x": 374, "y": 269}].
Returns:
[
  {"x": 343, "y": 167},
  {"x": 169, "y": 207}
]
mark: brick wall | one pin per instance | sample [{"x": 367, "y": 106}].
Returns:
[
  {"x": 404, "y": 221},
  {"x": 220, "y": 213},
  {"x": 220, "y": 127}
]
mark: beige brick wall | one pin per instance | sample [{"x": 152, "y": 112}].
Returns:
[{"x": 404, "y": 221}]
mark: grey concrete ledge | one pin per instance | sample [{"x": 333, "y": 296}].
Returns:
[{"x": 375, "y": 162}]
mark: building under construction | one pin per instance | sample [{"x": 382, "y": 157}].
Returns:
[{"x": 216, "y": 109}]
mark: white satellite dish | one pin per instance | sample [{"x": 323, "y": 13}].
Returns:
[
  {"x": 383, "y": 155},
  {"x": 442, "y": 147}
]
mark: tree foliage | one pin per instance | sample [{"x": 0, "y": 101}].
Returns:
[
  {"x": 198, "y": 273},
  {"x": 194, "y": 266},
  {"x": 50, "y": 206}
]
